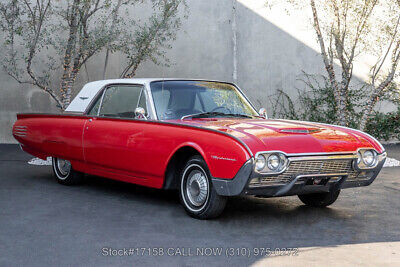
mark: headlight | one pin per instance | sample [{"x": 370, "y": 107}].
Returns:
[
  {"x": 273, "y": 162},
  {"x": 260, "y": 162},
  {"x": 367, "y": 158}
]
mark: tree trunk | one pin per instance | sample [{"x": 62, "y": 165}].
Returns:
[
  {"x": 114, "y": 21},
  {"x": 381, "y": 89},
  {"x": 341, "y": 112},
  {"x": 341, "y": 117},
  {"x": 71, "y": 45},
  {"x": 133, "y": 72},
  {"x": 368, "y": 111},
  {"x": 106, "y": 63}
]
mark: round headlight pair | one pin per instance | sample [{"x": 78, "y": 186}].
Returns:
[
  {"x": 274, "y": 162},
  {"x": 368, "y": 158}
]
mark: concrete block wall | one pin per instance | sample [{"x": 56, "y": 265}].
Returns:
[{"x": 223, "y": 40}]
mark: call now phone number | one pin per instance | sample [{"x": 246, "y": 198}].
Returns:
[
  {"x": 263, "y": 252},
  {"x": 207, "y": 251}
]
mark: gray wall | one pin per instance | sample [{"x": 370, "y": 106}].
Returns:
[{"x": 267, "y": 58}]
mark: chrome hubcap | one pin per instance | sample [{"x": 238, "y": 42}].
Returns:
[
  {"x": 63, "y": 166},
  {"x": 197, "y": 188}
]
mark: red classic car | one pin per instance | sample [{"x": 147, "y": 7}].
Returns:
[{"x": 201, "y": 137}]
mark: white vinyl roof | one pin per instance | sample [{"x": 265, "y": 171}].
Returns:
[{"x": 90, "y": 90}]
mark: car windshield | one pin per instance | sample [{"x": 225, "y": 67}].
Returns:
[{"x": 177, "y": 99}]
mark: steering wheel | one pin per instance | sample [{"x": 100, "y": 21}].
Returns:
[{"x": 221, "y": 107}]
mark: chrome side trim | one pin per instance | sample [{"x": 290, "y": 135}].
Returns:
[{"x": 20, "y": 130}]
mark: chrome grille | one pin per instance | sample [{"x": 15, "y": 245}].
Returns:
[{"x": 296, "y": 168}]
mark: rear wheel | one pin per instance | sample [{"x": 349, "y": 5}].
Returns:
[
  {"x": 320, "y": 199},
  {"x": 197, "y": 193},
  {"x": 64, "y": 173}
]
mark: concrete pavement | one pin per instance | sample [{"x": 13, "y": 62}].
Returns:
[
  {"x": 368, "y": 254},
  {"x": 44, "y": 223}
]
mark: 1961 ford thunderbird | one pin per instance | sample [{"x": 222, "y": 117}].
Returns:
[{"x": 201, "y": 137}]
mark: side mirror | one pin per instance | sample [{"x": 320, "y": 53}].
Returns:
[
  {"x": 263, "y": 113},
  {"x": 140, "y": 113}
]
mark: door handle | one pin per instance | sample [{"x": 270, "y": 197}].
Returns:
[{"x": 90, "y": 120}]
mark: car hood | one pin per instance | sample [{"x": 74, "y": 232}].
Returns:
[{"x": 289, "y": 136}]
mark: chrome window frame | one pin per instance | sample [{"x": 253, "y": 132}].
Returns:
[
  {"x": 150, "y": 100},
  {"x": 101, "y": 100},
  {"x": 145, "y": 89}
]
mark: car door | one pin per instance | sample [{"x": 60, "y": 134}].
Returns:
[{"x": 112, "y": 130}]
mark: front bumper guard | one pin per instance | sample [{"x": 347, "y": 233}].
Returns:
[{"x": 239, "y": 185}]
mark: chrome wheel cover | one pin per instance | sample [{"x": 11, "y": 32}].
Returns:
[
  {"x": 197, "y": 188},
  {"x": 64, "y": 167}
]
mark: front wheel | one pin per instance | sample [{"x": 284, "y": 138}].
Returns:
[
  {"x": 197, "y": 193},
  {"x": 320, "y": 199},
  {"x": 64, "y": 173}
]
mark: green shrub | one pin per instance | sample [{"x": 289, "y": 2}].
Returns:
[
  {"x": 317, "y": 103},
  {"x": 385, "y": 126}
]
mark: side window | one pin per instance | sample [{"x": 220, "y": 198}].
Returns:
[
  {"x": 95, "y": 109},
  {"x": 120, "y": 101}
]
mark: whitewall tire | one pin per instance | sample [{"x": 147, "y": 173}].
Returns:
[
  {"x": 64, "y": 173},
  {"x": 196, "y": 191}
]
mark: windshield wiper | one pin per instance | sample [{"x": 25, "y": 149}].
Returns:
[
  {"x": 213, "y": 114},
  {"x": 238, "y": 115}
]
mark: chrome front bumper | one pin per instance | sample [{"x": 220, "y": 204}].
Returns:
[{"x": 305, "y": 174}]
